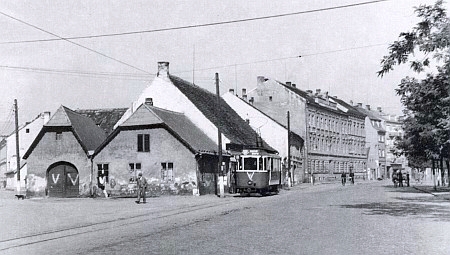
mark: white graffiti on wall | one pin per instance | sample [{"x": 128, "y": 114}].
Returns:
[
  {"x": 72, "y": 180},
  {"x": 55, "y": 180}
]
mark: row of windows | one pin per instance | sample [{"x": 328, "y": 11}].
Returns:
[
  {"x": 327, "y": 144},
  {"x": 134, "y": 168},
  {"x": 326, "y": 166},
  {"x": 335, "y": 124}
]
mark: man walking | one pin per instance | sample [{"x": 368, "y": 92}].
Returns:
[
  {"x": 142, "y": 188},
  {"x": 343, "y": 178}
]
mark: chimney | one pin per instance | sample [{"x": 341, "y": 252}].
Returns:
[
  {"x": 231, "y": 91},
  {"x": 149, "y": 101},
  {"x": 368, "y": 107},
  {"x": 251, "y": 100},
  {"x": 317, "y": 92},
  {"x": 294, "y": 85},
  {"x": 309, "y": 92},
  {"x": 244, "y": 97},
  {"x": 379, "y": 109},
  {"x": 46, "y": 116},
  {"x": 244, "y": 93},
  {"x": 360, "y": 105},
  {"x": 260, "y": 80},
  {"x": 351, "y": 102},
  {"x": 288, "y": 83},
  {"x": 163, "y": 69}
]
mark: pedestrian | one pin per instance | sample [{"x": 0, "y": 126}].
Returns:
[
  {"x": 394, "y": 179},
  {"x": 142, "y": 188},
  {"x": 352, "y": 177},
  {"x": 400, "y": 179},
  {"x": 102, "y": 184},
  {"x": 343, "y": 178},
  {"x": 407, "y": 180}
]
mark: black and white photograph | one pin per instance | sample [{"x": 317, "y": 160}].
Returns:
[{"x": 225, "y": 127}]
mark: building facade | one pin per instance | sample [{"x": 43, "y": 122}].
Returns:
[
  {"x": 173, "y": 154},
  {"x": 333, "y": 131},
  {"x": 375, "y": 142}
]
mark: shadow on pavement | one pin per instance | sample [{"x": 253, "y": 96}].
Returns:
[
  {"x": 434, "y": 206},
  {"x": 403, "y": 209}
]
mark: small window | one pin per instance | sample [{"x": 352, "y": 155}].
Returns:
[
  {"x": 270, "y": 98},
  {"x": 143, "y": 142},
  {"x": 134, "y": 168},
  {"x": 58, "y": 136},
  {"x": 27, "y": 130},
  {"x": 167, "y": 171}
]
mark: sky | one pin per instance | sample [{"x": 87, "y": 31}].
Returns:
[{"x": 115, "y": 46}]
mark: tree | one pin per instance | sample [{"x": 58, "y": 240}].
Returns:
[{"x": 427, "y": 101}]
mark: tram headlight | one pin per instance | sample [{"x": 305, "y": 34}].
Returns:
[{"x": 249, "y": 182}]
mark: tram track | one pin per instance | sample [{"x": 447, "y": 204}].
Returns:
[{"x": 52, "y": 235}]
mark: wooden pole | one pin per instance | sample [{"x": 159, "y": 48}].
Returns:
[
  {"x": 16, "y": 114},
  {"x": 219, "y": 140}
]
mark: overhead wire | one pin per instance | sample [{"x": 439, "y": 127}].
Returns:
[
  {"x": 77, "y": 44},
  {"x": 121, "y": 76},
  {"x": 198, "y": 25}
]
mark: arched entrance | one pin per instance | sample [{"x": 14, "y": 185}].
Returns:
[{"x": 62, "y": 180}]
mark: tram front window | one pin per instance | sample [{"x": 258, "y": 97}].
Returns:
[{"x": 250, "y": 163}]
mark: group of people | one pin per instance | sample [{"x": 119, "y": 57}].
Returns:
[
  {"x": 344, "y": 178},
  {"x": 397, "y": 179}
]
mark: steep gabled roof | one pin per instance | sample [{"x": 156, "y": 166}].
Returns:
[
  {"x": 226, "y": 119},
  {"x": 104, "y": 118},
  {"x": 149, "y": 117},
  {"x": 88, "y": 134}
]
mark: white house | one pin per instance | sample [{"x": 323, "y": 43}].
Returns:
[{"x": 27, "y": 134}]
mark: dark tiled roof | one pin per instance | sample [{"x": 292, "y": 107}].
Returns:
[
  {"x": 88, "y": 134},
  {"x": 229, "y": 122},
  {"x": 85, "y": 128},
  {"x": 104, "y": 118},
  {"x": 187, "y": 130},
  {"x": 351, "y": 109}
]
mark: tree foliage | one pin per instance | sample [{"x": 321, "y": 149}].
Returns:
[{"x": 426, "y": 48}]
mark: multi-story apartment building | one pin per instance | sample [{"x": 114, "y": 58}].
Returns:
[
  {"x": 333, "y": 130},
  {"x": 394, "y": 131},
  {"x": 375, "y": 142}
]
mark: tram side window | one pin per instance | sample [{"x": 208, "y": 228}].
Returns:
[
  {"x": 250, "y": 163},
  {"x": 261, "y": 162},
  {"x": 276, "y": 164},
  {"x": 268, "y": 164}
]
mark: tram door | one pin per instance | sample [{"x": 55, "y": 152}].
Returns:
[{"x": 63, "y": 181}]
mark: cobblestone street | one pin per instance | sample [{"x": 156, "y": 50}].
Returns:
[{"x": 365, "y": 218}]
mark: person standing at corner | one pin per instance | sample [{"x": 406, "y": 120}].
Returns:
[
  {"x": 343, "y": 178},
  {"x": 142, "y": 188},
  {"x": 352, "y": 177}
]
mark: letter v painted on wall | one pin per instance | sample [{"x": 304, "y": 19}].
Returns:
[
  {"x": 72, "y": 180},
  {"x": 55, "y": 180}
]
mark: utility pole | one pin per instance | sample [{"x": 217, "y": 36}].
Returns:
[
  {"x": 219, "y": 138},
  {"x": 290, "y": 174},
  {"x": 16, "y": 114}
]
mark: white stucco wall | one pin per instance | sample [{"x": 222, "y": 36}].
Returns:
[
  {"x": 272, "y": 132},
  {"x": 167, "y": 96}
]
